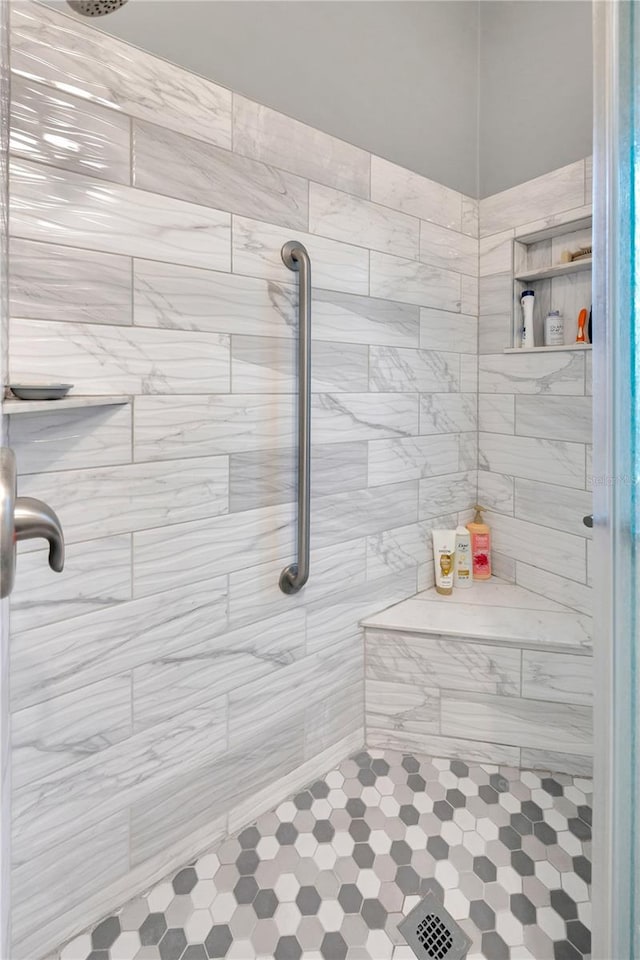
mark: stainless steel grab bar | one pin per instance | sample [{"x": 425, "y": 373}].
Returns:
[{"x": 294, "y": 576}]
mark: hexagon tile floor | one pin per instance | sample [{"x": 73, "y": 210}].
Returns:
[{"x": 330, "y": 873}]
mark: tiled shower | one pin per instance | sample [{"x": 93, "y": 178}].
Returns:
[{"x": 188, "y": 741}]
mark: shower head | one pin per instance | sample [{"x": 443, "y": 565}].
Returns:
[{"x": 95, "y": 8}]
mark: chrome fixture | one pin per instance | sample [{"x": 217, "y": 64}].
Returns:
[
  {"x": 95, "y": 8},
  {"x": 23, "y": 518},
  {"x": 295, "y": 256}
]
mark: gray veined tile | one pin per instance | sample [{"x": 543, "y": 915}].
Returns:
[
  {"x": 468, "y": 450},
  {"x": 452, "y": 332},
  {"x": 448, "y": 249},
  {"x": 496, "y": 253},
  {"x": 469, "y": 297},
  {"x": 495, "y": 333},
  {"x": 396, "y": 278},
  {"x": 188, "y": 298},
  {"x": 439, "y": 495},
  {"x": 358, "y": 513},
  {"x": 52, "y": 127},
  {"x": 354, "y": 220},
  {"x": 556, "y": 418},
  {"x": 551, "y": 461},
  {"x": 402, "y": 707},
  {"x": 448, "y": 413},
  {"x": 562, "y": 189},
  {"x": 405, "y": 190},
  {"x": 56, "y": 658},
  {"x": 72, "y": 439},
  {"x": 330, "y": 719},
  {"x": 336, "y": 266},
  {"x": 270, "y": 365},
  {"x": 468, "y": 373},
  {"x": 400, "y": 548},
  {"x": 169, "y": 684},
  {"x": 427, "y": 371},
  {"x": 495, "y": 491},
  {"x": 97, "y": 574},
  {"x": 111, "y": 500},
  {"x": 56, "y": 205},
  {"x": 470, "y": 214},
  {"x": 209, "y": 425},
  {"x": 495, "y": 295},
  {"x": 560, "y": 374},
  {"x": 588, "y": 180},
  {"x": 57, "y": 733},
  {"x": 50, "y": 282},
  {"x": 496, "y": 413},
  {"x": 560, "y": 677},
  {"x": 99, "y": 358},
  {"x": 409, "y": 458},
  {"x": 262, "y": 478},
  {"x": 344, "y": 317},
  {"x": 575, "y": 595},
  {"x": 554, "y": 550},
  {"x": 179, "y": 166},
  {"x": 588, "y": 374},
  {"x": 363, "y": 416},
  {"x": 274, "y": 138},
  {"x": 551, "y": 506},
  {"x": 571, "y": 763},
  {"x": 115, "y": 74}
]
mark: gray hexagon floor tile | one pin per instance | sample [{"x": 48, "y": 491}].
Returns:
[{"x": 331, "y": 872}]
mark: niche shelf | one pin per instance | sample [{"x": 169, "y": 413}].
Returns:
[
  {"x": 14, "y": 407},
  {"x": 557, "y": 285}
]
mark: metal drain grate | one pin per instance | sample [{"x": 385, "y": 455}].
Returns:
[{"x": 432, "y": 933}]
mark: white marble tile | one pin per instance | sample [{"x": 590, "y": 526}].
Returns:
[
  {"x": 409, "y": 458},
  {"x": 274, "y": 138},
  {"x": 357, "y": 513},
  {"x": 556, "y": 587},
  {"x": 270, "y": 365},
  {"x": 588, "y": 180},
  {"x": 165, "y": 558},
  {"x": 553, "y": 220},
  {"x": 468, "y": 373},
  {"x": 52, "y": 127},
  {"x": 495, "y": 333},
  {"x": 72, "y": 439},
  {"x": 469, "y": 298},
  {"x": 55, "y": 205},
  {"x": 588, "y": 373},
  {"x": 554, "y": 550},
  {"x": 97, "y": 574},
  {"x": 396, "y": 278},
  {"x": 340, "y": 712},
  {"x": 552, "y": 506},
  {"x": 262, "y": 478},
  {"x": 496, "y": 413},
  {"x": 496, "y": 253},
  {"x": 454, "y": 748},
  {"x": 495, "y": 491},
  {"x": 457, "y": 491},
  {"x": 552, "y": 760},
  {"x": 204, "y": 426},
  {"x": 405, "y": 190},
  {"x": 448, "y": 413},
  {"x": 336, "y": 266},
  {"x": 170, "y": 163},
  {"x": 503, "y": 566},
  {"x": 448, "y": 249},
  {"x": 77, "y": 58},
  {"x": 558, "y": 373},
  {"x": 354, "y": 220},
  {"x": 552, "y": 461},
  {"x": 398, "y": 549},
  {"x": 468, "y": 451},
  {"x": 494, "y": 593},
  {"x": 187, "y": 298},
  {"x": 57, "y": 733},
  {"x": 111, "y": 500},
  {"x": 56, "y": 658},
  {"x": 588, "y": 450},
  {"x": 363, "y": 416},
  {"x": 49, "y": 810},
  {"x": 454, "y": 332},
  {"x": 557, "y": 418},
  {"x": 49, "y": 282},
  {"x": 442, "y": 663},
  {"x": 427, "y": 371},
  {"x": 470, "y": 215},
  {"x": 104, "y": 359},
  {"x": 402, "y": 707},
  {"x": 169, "y": 684},
  {"x": 343, "y": 317},
  {"x": 495, "y": 295},
  {"x": 522, "y": 723},
  {"x": 562, "y": 189},
  {"x": 557, "y": 676}
]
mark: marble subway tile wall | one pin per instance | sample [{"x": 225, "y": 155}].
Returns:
[
  {"x": 534, "y": 409},
  {"x": 163, "y": 689}
]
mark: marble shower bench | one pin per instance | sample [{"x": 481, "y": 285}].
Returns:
[{"x": 494, "y": 674}]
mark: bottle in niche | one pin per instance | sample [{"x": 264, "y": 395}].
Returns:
[
  {"x": 527, "y": 299},
  {"x": 554, "y": 329},
  {"x": 462, "y": 564},
  {"x": 480, "y": 546}
]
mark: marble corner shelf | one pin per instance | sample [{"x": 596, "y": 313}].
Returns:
[
  {"x": 14, "y": 407},
  {"x": 564, "y": 346},
  {"x": 557, "y": 270}
]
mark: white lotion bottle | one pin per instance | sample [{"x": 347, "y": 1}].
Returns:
[
  {"x": 527, "y": 299},
  {"x": 462, "y": 566}
]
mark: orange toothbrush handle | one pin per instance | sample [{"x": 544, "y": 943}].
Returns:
[{"x": 582, "y": 319}]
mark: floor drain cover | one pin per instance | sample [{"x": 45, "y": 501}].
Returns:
[{"x": 432, "y": 933}]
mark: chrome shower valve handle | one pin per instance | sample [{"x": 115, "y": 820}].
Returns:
[{"x": 23, "y": 518}]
